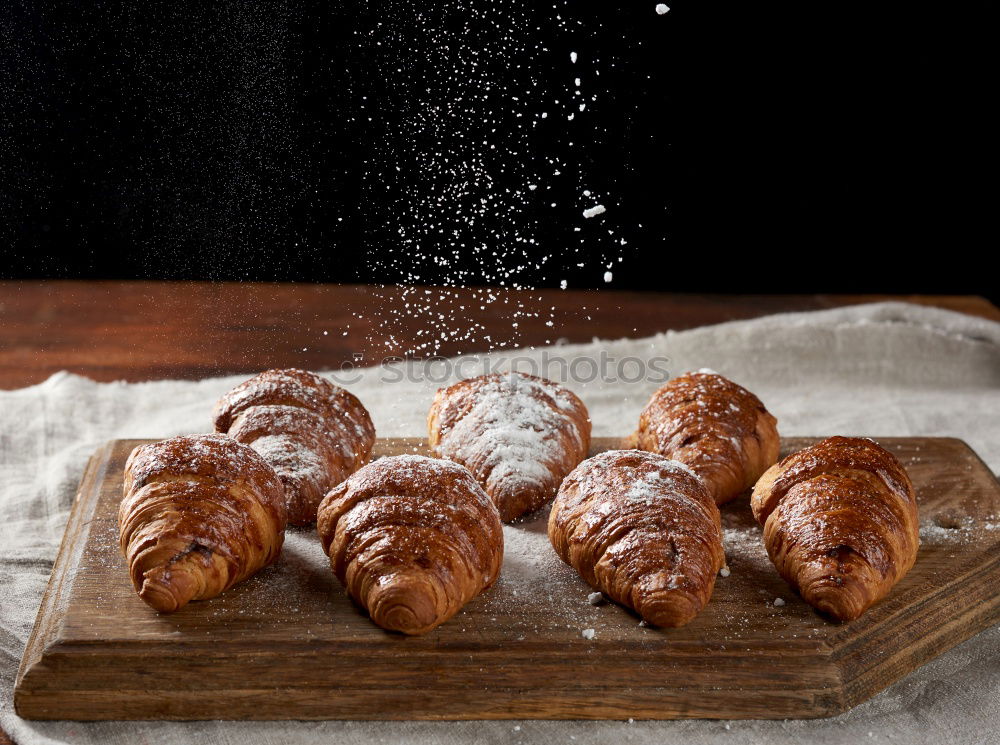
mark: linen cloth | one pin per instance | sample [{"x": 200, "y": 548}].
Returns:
[{"x": 883, "y": 369}]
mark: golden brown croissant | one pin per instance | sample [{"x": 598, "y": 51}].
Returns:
[
  {"x": 413, "y": 539},
  {"x": 718, "y": 429},
  {"x": 200, "y": 514},
  {"x": 313, "y": 433},
  {"x": 643, "y": 530},
  {"x": 518, "y": 434},
  {"x": 840, "y": 523}
]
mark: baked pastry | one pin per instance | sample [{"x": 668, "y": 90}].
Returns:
[
  {"x": 840, "y": 523},
  {"x": 200, "y": 513},
  {"x": 643, "y": 530},
  {"x": 413, "y": 539},
  {"x": 718, "y": 429},
  {"x": 518, "y": 434},
  {"x": 313, "y": 433}
]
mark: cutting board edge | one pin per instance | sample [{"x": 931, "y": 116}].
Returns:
[
  {"x": 933, "y": 631},
  {"x": 46, "y": 629},
  {"x": 421, "y": 704}
]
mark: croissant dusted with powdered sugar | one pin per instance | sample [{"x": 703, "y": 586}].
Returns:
[
  {"x": 718, "y": 429},
  {"x": 643, "y": 530},
  {"x": 413, "y": 539},
  {"x": 200, "y": 514},
  {"x": 840, "y": 523},
  {"x": 518, "y": 434},
  {"x": 313, "y": 433}
]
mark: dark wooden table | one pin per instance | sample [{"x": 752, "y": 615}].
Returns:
[{"x": 147, "y": 330}]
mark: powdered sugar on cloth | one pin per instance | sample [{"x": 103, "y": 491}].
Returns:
[{"x": 885, "y": 369}]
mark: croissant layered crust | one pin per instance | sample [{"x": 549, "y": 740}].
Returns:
[
  {"x": 312, "y": 432},
  {"x": 200, "y": 514},
  {"x": 840, "y": 523},
  {"x": 413, "y": 539},
  {"x": 519, "y": 435},
  {"x": 718, "y": 429},
  {"x": 643, "y": 530}
]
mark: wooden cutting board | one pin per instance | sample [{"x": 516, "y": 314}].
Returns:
[{"x": 289, "y": 644}]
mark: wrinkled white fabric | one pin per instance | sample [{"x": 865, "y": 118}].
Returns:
[{"x": 884, "y": 369}]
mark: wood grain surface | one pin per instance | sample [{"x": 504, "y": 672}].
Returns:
[
  {"x": 288, "y": 643},
  {"x": 149, "y": 330}
]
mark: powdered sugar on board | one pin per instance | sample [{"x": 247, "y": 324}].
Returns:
[{"x": 945, "y": 529}]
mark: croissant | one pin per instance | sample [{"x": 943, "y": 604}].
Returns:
[
  {"x": 518, "y": 434},
  {"x": 718, "y": 429},
  {"x": 313, "y": 433},
  {"x": 643, "y": 530},
  {"x": 840, "y": 523},
  {"x": 200, "y": 514},
  {"x": 413, "y": 539}
]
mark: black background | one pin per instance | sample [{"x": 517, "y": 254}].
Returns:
[{"x": 763, "y": 147}]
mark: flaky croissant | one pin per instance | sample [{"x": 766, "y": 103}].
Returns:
[
  {"x": 718, "y": 429},
  {"x": 518, "y": 434},
  {"x": 840, "y": 523},
  {"x": 313, "y": 433},
  {"x": 200, "y": 514},
  {"x": 643, "y": 530},
  {"x": 413, "y": 539}
]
